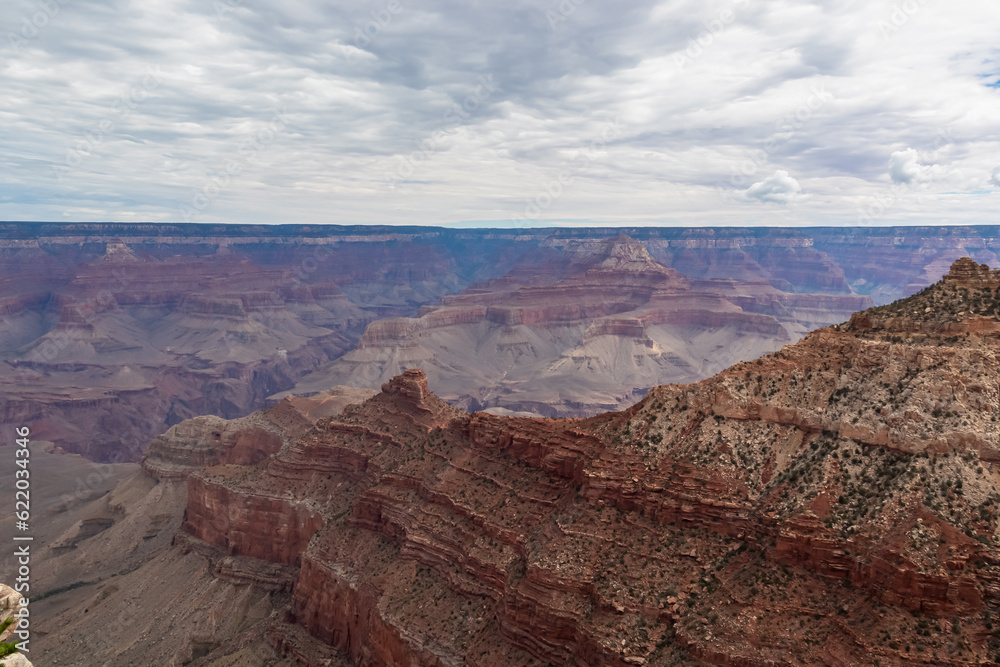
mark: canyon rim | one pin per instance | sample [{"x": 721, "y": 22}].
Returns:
[{"x": 832, "y": 502}]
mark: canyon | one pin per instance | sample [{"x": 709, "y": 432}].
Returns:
[
  {"x": 112, "y": 333},
  {"x": 833, "y": 502},
  {"x": 589, "y": 335}
]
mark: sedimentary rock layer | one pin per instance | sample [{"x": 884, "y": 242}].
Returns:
[
  {"x": 593, "y": 335},
  {"x": 835, "y": 502},
  {"x": 112, "y": 333}
]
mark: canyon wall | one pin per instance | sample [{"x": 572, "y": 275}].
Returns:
[
  {"x": 112, "y": 333},
  {"x": 832, "y": 503}
]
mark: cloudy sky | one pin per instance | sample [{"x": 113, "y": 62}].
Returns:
[{"x": 562, "y": 112}]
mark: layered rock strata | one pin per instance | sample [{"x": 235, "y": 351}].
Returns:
[
  {"x": 836, "y": 502},
  {"x": 592, "y": 336},
  {"x": 112, "y": 333},
  {"x": 208, "y": 441}
]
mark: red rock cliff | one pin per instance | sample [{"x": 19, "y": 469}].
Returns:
[{"x": 832, "y": 503}]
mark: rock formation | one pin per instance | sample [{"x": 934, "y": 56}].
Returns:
[
  {"x": 835, "y": 502},
  {"x": 10, "y": 602},
  {"x": 594, "y": 335},
  {"x": 187, "y": 604},
  {"x": 112, "y": 333},
  {"x": 207, "y": 441},
  {"x": 15, "y": 660}
]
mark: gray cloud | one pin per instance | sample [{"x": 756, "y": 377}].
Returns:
[
  {"x": 710, "y": 98},
  {"x": 779, "y": 188}
]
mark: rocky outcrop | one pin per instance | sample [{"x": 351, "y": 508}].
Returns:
[
  {"x": 10, "y": 601},
  {"x": 10, "y": 604},
  {"x": 967, "y": 273},
  {"x": 232, "y": 520},
  {"x": 592, "y": 337},
  {"x": 202, "y": 442},
  {"x": 363, "y": 635},
  {"x": 832, "y": 502}
]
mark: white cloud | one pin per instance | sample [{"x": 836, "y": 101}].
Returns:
[
  {"x": 995, "y": 178},
  {"x": 905, "y": 168},
  {"x": 779, "y": 188},
  {"x": 815, "y": 88}
]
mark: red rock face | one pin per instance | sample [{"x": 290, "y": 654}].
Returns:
[
  {"x": 362, "y": 634},
  {"x": 805, "y": 509},
  {"x": 232, "y": 520}
]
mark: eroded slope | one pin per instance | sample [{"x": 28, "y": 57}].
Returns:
[
  {"x": 589, "y": 333},
  {"x": 833, "y": 503}
]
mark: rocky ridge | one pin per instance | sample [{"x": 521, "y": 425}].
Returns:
[
  {"x": 835, "y": 502},
  {"x": 966, "y": 300},
  {"x": 208, "y": 441},
  {"x": 162, "y": 596}
]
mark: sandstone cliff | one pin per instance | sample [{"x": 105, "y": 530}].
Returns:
[
  {"x": 157, "y": 596},
  {"x": 835, "y": 502}
]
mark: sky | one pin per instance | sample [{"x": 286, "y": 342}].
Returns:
[{"x": 548, "y": 113}]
